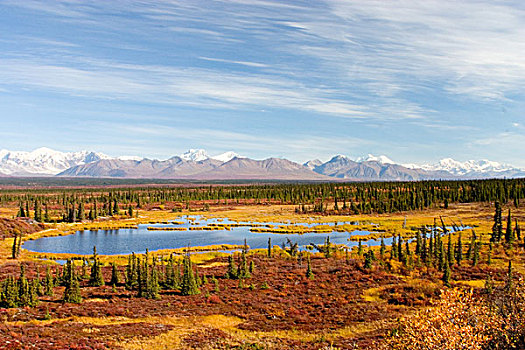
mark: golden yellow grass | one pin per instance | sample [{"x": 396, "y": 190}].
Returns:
[{"x": 478, "y": 216}]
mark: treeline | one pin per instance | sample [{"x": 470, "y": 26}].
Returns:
[{"x": 352, "y": 198}]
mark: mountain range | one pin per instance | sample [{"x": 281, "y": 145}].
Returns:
[{"x": 197, "y": 164}]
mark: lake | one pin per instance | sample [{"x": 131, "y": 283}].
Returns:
[{"x": 125, "y": 241}]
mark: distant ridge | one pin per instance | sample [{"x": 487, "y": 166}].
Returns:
[{"x": 198, "y": 165}]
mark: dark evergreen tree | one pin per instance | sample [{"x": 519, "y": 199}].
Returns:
[
  {"x": 475, "y": 258},
  {"x": 393, "y": 251},
  {"x": 116, "y": 209},
  {"x": 509, "y": 283},
  {"x": 48, "y": 282},
  {"x": 382, "y": 250},
  {"x": 72, "y": 291},
  {"x": 38, "y": 211},
  {"x": 309, "y": 272},
  {"x": 369, "y": 258},
  {"x": 509, "y": 237},
  {"x": 489, "y": 254},
  {"x": 114, "y": 275},
  {"x": 517, "y": 230},
  {"x": 459, "y": 250},
  {"x": 81, "y": 213},
  {"x": 450, "y": 251},
  {"x": 188, "y": 285},
  {"x": 21, "y": 212},
  {"x": 232, "y": 271},
  {"x": 14, "y": 249},
  {"x": 497, "y": 226},
  {"x": 446, "y": 275},
  {"x": 96, "y": 278}
]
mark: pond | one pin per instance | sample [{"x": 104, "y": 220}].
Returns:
[{"x": 125, "y": 241}]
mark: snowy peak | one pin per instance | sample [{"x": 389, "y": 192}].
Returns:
[
  {"x": 195, "y": 155},
  {"x": 227, "y": 156},
  {"x": 312, "y": 164},
  {"x": 470, "y": 167},
  {"x": 371, "y": 158},
  {"x": 43, "y": 161}
]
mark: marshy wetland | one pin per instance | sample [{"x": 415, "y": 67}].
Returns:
[{"x": 300, "y": 292}]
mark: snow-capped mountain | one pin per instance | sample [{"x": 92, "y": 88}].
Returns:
[
  {"x": 371, "y": 158},
  {"x": 198, "y": 155},
  {"x": 227, "y": 156},
  {"x": 312, "y": 164},
  {"x": 470, "y": 166},
  {"x": 195, "y": 155},
  {"x": 198, "y": 164},
  {"x": 43, "y": 161}
]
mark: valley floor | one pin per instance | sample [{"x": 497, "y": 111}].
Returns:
[{"x": 344, "y": 305}]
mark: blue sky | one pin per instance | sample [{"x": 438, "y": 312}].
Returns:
[{"x": 414, "y": 80}]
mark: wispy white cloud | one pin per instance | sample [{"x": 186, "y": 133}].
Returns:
[
  {"x": 242, "y": 63},
  {"x": 371, "y": 62}
]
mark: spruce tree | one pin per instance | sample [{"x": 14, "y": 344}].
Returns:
[
  {"x": 14, "y": 249},
  {"x": 509, "y": 283},
  {"x": 23, "y": 298},
  {"x": 382, "y": 250},
  {"x": 114, "y": 275},
  {"x": 48, "y": 282},
  {"x": 497, "y": 226},
  {"x": 81, "y": 213},
  {"x": 242, "y": 268},
  {"x": 269, "y": 247},
  {"x": 153, "y": 285},
  {"x": 96, "y": 278},
  {"x": 489, "y": 255},
  {"x": 446, "y": 275},
  {"x": 115, "y": 208},
  {"x": 424, "y": 253},
  {"x": 188, "y": 285},
  {"x": 475, "y": 258},
  {"x": 459, "y": 250},
  {"x": 418, "y": 243},
  {"x": 8, "y": 293},
  {"x": 21, "y": 212},
  {"x": 72, "y": 291},
  {"x": 509, "y": 237},
  {"x": 232, "y": 271},
  {"x": 47, "y": 218},
  {"x": 170, "y": 273},
  {"x": 393, "y": 251},
  {"x": 309, "y": 272},
  {"x": 38, "y": 283},
  {"x": 450, "y": 252},
  {"x": 369, "y": 258},
  {"x": 442, "y": 257},
  {"x": 400, "y": 248},
  {"x": 38, "y": 211}
]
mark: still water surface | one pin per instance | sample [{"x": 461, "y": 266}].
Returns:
[{"x": 125, "y": 241}]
